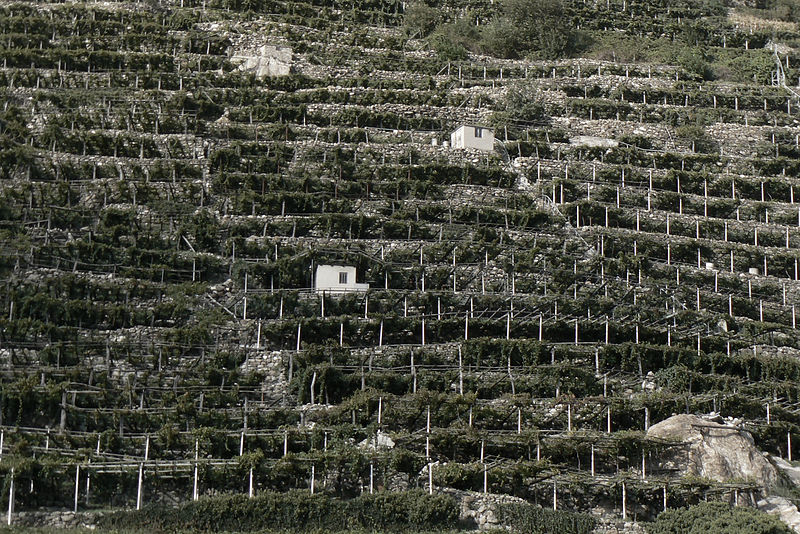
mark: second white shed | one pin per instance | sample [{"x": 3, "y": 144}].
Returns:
[{"x": 337, "y": 279}]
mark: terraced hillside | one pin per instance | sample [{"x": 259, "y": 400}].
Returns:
[{"x": 628, "y": 252}]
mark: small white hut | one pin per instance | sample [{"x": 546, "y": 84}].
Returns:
[
  {"x": 470, "y": 136},
  {"x": 337, "y": 279}
]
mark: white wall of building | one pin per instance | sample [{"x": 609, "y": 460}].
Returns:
[
  {"x": 473, "y": 137},
  {"x": 337, "y": 278}
]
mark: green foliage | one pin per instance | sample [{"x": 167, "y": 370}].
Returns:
[
  {"x": 530, "y": 519},
  {"x": 784, "y": 10},
  {"x": 453, "y": 40},
  {"x": 695, "y": 135},
  {"x": 531, "y": 27},
  {"x": 716, "y": 518},
  {"x": 755, "y": 66},
  {"x": 296, "y": 510},
  {"x": 695, "y": 62},
  {"x": 523, "y": 102},
  {"x": 14, "y": 153},
  {"x": 419, "y": 20}
]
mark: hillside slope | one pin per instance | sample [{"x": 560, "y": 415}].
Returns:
[{"x": 629, "y": 251}]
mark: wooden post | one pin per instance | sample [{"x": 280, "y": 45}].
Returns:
[
  {"x": 77, "y": 488},
  {"x": 460, "y": 373},
  {"x": 88, "y": 482},
  {"x": 313, "y": 475},
  {"x": 644, "y": 466},
  {"x": 555, "y": 496},
  {"x": 540, "y": 327},
  {"x": 196, "y": 473},
  {"x": 789, "y": 446},
  {"x": 592, "y": 460},
  {"x": 485, "y": 479},
  {"x": 428, "y": 420},
  {"x": 624, "y": 502},
  {"x": 430, "y": 478},
  {"x": 139, "y": 487},
  {"x": 371, "y": 477},
  {"x": 250, "y": 486},
  {"x": 10, "y": 498}
]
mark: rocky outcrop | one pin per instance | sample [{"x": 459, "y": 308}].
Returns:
[
  {"x": 267, "y": 60},
  {"x": 783, "y": 508},
  {"x": 479, "y": 509},
  {"x": 725, "y": 452},
  {"x": 592, "y": 141},
  {"x": 379, "y": 441},
  {"x": 715, "y": 450}
]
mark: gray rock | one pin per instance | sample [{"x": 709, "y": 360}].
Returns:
[
  {"x": 713, "y": 450},
  {"x": 783, "y": 508},
  {"x": 268, "y": 60}
]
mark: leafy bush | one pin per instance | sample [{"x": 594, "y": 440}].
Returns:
[
  {"x": 420, "y": 20},
  {"x": 716, "y": 518},
  {"x": 296, "y": 510},
  {"x": 530, "y": 519},
  {"x": 452, "y": 41},
  {"x": 695, "y": 62},
  {"x": 538, "y": 27}
]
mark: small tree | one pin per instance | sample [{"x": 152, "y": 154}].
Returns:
[
  {"x": 420, "y": 20},
  {"x": 538, "y": 27},
  {"x": 452, "y": 41}
]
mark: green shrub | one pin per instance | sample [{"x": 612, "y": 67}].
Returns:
[
  {"x": 537, "y": 27},
  {"x": 452, "y": 41},
  {"x": 420, "y": 20},
  {"x": 530, "y": 519},
  {"x": 716, "y": 518},
  {"x": 296, "y": 510}
]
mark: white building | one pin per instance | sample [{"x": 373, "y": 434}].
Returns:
[
  {"x": 336, "y": 279},
  {"x": 469, "y": 136}
]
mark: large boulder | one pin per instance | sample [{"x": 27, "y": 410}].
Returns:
[
  {"x": 267, "y": 60},
  {"x": 714, "y": 450}
]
